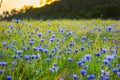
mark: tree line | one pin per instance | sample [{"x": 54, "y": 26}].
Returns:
[{"x": 78, "y": 9}]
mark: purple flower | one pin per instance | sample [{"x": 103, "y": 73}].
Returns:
[
  {"x": 4, "y": 63},
  {"x": 31, "y": 42},
  {"x": 83, "y": 72},
  {"x": 17, "y": 20},
  {"x": 71, "y": 44},
  {"x": 103, "y": 50},
  {"x": 105, "y": 61},
  {"x": 9, "y": 77},
  {"x": 115, "y": 70},
  {"x": 90, "y": 77},
  {"x": 34, "y": 48},
  {"x": 26, "y": 57},
  {"x": 80, "y": 63},
  {"x": 49, "y": 31},
  {"x": 98, "y": 54},
  {"x": 82, "y": 48},
  {"x": 19, "y": 52},
  {"x": 70, "y": 59},
  {"x": 4, "y": 43},
  {"x": 76, "y": 50},
  {"x": 14, "y": 63},
  {"x": 109, "y": 57},
  {"x": 118, "y": 73},
  {"x": 75, "y": 77},
  {"x": 1, "y": 71},
  {"x": 87, "y": 56},
  {"x": 109, "y": 28},
  {"x": 39, "y": 34}
]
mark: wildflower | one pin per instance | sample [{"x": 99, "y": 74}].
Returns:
[
  {"x": 109, "y": 28},
  {"x": 26, "y": 57},
  {"x": 70, "y": 59},
  {"x": 98, "y": 54},
  {"x": 103, "y": 50},
  {"x": 83, "y": 72},
  {"x": 17, "y": 20},
  {"x": 80, "y": 63},
  {"x": 31, "y": 42},
  {"x": 34, "y": 48},
  {"x": 75, "y": 77},
  {"x": 87, "y": 56},
  {"x": 105, "y": 61},
  {"x": 115, "y": 70},
  {"x": 105, "y": 73},
  {"x": 90, "y": 77},
  {"x": 9, "y": 77},
  {"x": 39, "y": 34},
  {"x": 83, "y": 37},
  {"x": 4, "y": 63},
  {"x": 49, "y": 31},
  {"x": 19, "y": 52},
  {"x": 4, "y": 43},
  {"x": 1, "y": 71},
  {"x": 118, "y": 73},
  {"x": 82, "y": 48},
  {"x": 76, "y": 50},
  {"x": 109, "y": 57},
  {"x": 14, "y": 63}
]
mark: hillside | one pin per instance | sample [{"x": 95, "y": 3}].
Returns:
[{"x": 74, "y": 9}]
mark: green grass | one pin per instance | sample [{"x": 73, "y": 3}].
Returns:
[{"x": 38, "y": 69}]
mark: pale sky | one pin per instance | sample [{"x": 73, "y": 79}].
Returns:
[{"x": 10, "y": 4}]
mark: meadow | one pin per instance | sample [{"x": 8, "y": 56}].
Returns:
[{"x": 60, "y": 50}]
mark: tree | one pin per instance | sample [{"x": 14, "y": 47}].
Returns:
[{"x": 1, "y": 3}]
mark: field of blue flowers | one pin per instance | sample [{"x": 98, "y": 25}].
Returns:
[{"x": 60, "y": 50}]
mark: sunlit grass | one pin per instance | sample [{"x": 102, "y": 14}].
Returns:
[{"x": 59, "y": 51}]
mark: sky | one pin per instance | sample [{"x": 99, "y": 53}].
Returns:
[{"x": 11, "y": 4}]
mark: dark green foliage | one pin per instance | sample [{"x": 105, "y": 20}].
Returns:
[{"x": 74, "y": 9}]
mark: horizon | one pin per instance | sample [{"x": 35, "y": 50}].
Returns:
[{"x": 8, "y": 5}]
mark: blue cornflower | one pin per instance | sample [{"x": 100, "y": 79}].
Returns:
[
  {"x": 45, "y": 50},
  {"x": 83, "y": 72},
  {"x": 1, "y": 71},
  {"x": 82, "y": 48},
  {"x": 115, "y": 70},
  {"x": 31, "y": 42},
  {"x": 75, "y": 77},
  {"x": 9, "y": 77},
  {"x": 4, "y": 63},
  {"x": 109, "y": 57},
  {"x": 35, "y": 48},
  {"x": 19, "y": 52},
  {"x": 49, "y": 31},
  {"x": 118, "y": 73},
  {"x": 80, "y": 63},
  {"x": 90, "y": 77},
  {"x": 26, "y": 57},
  {"x": 4, "y": 43},
  {"x": 103, "y": 50},
  {"x": 98, "y": 54},
  {"x": 87, "y": 56},
  {"x": 71, "y": 44},
  {"x": 76, "y": 50},
  {"x": 14, "y": 63},
  {"x": 83, "y": 37},
  {"x": 70, "y": 59},
  {"x": 109, "y": 28},
  {"x": 17, "y": 20},
  {"x": 39, "y": 34},
  {"x": 105, "y": 61}
]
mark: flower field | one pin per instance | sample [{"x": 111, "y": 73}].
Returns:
[{"x": 60, "y": 50}]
